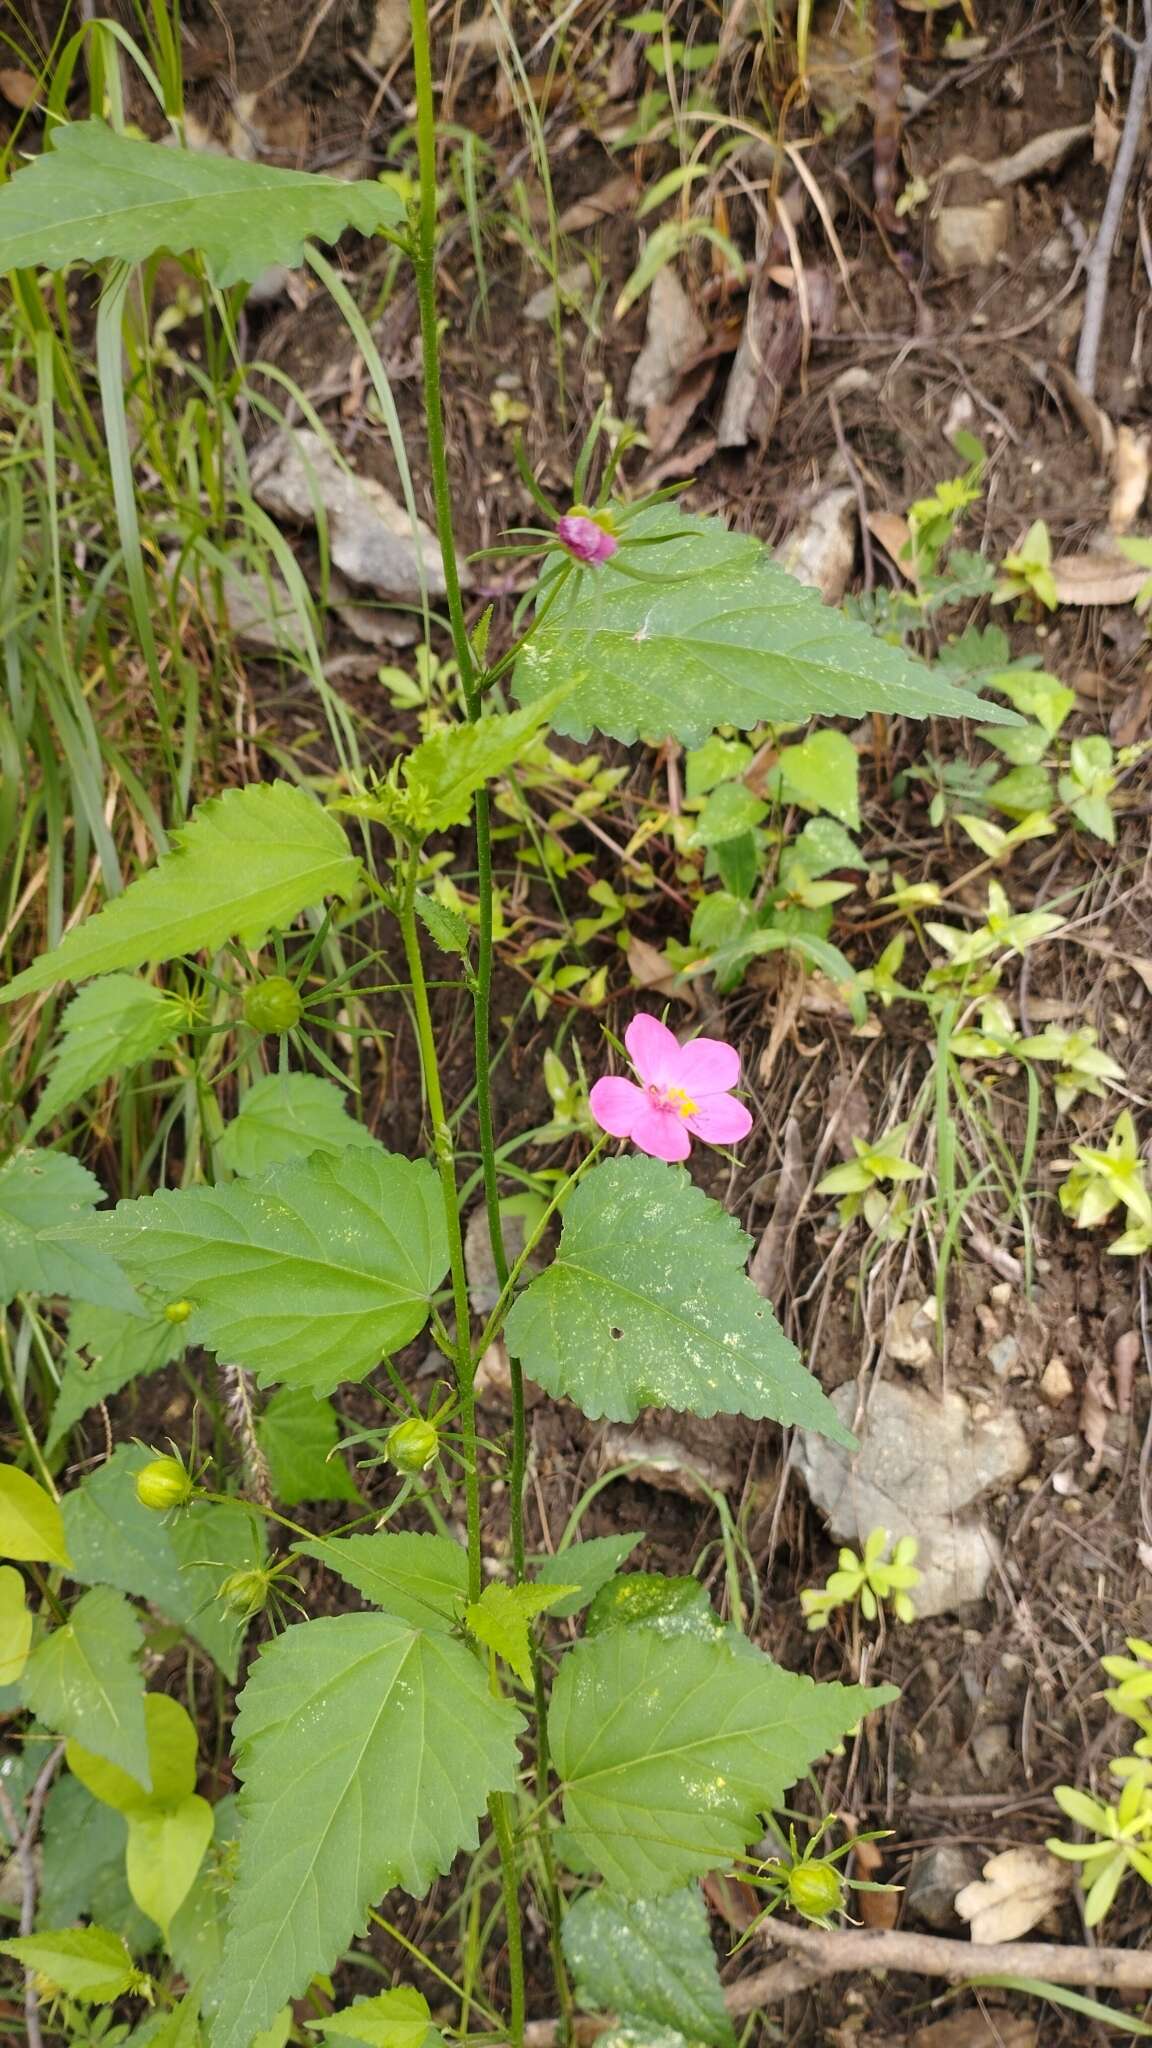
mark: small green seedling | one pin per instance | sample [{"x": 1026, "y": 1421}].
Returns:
[
  {"x": 1028, "y": 572},
  {"x": 1101, "y": 1179},
  {"x": 1081, "y": 1067},
  {"x": 868, "y": 1581},
  {"x": 1123, "y": 1843},
  {"x": 861, "y": 1183}
]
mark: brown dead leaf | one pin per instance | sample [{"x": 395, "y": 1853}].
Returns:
[
  {"x": 841, "y": 63},
  {"x": 1097, "y": 1403},
  {"x": 894, "y": 534},
  {"x": 1130, "y": 718},
  {"x": 994, "y": 2027},
  {"x": 876, "y": 1909},
  {"x": 391, "y": 33},
  {"x": 1043, "y": 153},
  {"x": 664, "y": 424},
  {"x": 769, "y": 355},
  {"x": 1091, "y": 417},
  {"x": 1125, "y": 1358},
  {"x": 767, "y": 1268},
  {"x": 1019, "y": 1887},
  {"x": 19, "y": 88},
  {"x": 651, "y": 973},
  {"x": 1130, "y": 471},
  {"x": 614, "y": 197},
  {"x": 1105, "y": 136},
  {"x": 1096, "y": 578},
  {"x": 673, "y": 339}
]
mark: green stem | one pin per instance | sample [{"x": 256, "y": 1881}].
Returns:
[
  {"x": 509, "y": 1884},
  {"x": 8, "y": 1379},
  {"x": 465, "y": 1371}
]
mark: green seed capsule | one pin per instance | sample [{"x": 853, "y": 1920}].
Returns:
[
  {"x": 246, "y": 1593},
  {"x": 165, "y": 1483},
  {"x": 412, "y": 1446},
  {"x": 815, "y": 1889},
  {"x": 273, "y": 1005},
  {"x": 177, "y": 1311}
]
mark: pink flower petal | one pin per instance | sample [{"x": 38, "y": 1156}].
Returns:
[
  {"x": 585, "y": 539},
  {"x": 720, "y": 1120},
  {"x": 661, "y": 1132},
  {"x": 653, "y": 1051},
  {"x": 616, "y": 1103},
  {"x": 707, "y": 1066}
]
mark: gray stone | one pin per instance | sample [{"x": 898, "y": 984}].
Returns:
[
  {"x": 934, "y": 1879},
  {"x": 369, "y": 531},
  {"x": 921, "y": 1463}
]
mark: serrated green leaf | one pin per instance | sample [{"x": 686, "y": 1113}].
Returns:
[
  {"x": 444, "y": 772},
  {"x": 298, "y": 1435},
  {"x": 669, "y": 1752},
  {"x": 246, "y": 861},
  {"x": 43, "y": 1196},
  {"x": 367, "y": 1752},
  {"x": 284, "y": 1117},
  {"x": 647, "y": 1305},
  {"x": 393, "y": 2019},
  {"x": 31, "y": 1525},
  {"x": 15, "y": 1625},
  {"x": 448, "y": 929},
  {"x": 651, "y": 1957},
  {"x": 122, "y": 1348},
  {"x": 179, "y": 2028},
  {"x": 170, "y": 1763},
  {"x": 96, "y": 194},
  {"x": 166, "y": 1847},
  {"x": 730, "y": 812},
  {"x": 84, "y": 1680},
  {"x": 501, "y": 1617},
  {"x": 587, "y": 1566},
  {"x": 105, "y": 1030},
  {"x": 91, "y": 1964},
  {"x": 306, "y": 1275},
  {"x": 726, "y": 637},
  {"x": 176, "y": 1562},
  {"x": 423, "y": 1579},
  {"x": 821, "y": 774}
]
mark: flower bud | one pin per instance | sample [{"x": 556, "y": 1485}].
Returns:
[
  {"x": 164, "y": 1483},
  {"x": 273, "y": 1005},
  {"x": 245, "y": 1593},
  {"x": 815, "y": 1889},
  {"x": 177, "y": 1311},
  {"x": 587, "y": 536},
  {"x": 413, "y": 1445}
]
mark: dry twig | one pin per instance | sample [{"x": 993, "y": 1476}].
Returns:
[{"x": 1099, "y": 260}]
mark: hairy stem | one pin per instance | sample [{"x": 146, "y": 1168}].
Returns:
[{"x": 446, "y": 1167}]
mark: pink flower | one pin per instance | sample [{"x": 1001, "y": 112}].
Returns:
[
  {"x": 684, "y": 1093},
  {"x": 585, "y": 539}
]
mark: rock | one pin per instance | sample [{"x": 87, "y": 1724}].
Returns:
[
  {"x": 263, "y": 613},
  {"x": 991, "y": 1743},
  {"x": 910, "y": 1337},
  {"x": 821, "y": 550},
  {"x": 1056, "y": 1383},
  {"x": 921, "y": 1462},
  {"x": 1004, "y": 1358},
  {"x": 969, "y": 237},
  {"x": 933, "y": 1882},
  {"x": 369, "y": 532},
  {"x": 572, "y": 284}
]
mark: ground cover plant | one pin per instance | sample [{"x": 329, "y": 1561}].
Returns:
[{"x": 288, "y": 1646}]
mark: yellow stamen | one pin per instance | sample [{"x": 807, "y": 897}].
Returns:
[{"x": 684, "y": 1103}]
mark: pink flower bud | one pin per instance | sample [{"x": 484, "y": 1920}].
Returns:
[{"x": 585, "y": 539}]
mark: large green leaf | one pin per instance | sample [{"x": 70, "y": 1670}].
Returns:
[
  {"x": 285, "y": 1117},
  {"x": 245, "y": 862},
  {"x": 298, "y": 1435},
  {"x": 652, "y": 1958},
  {"x": 423, "y": 1579},
  {"x": 586, "y": 1566},
  {"x": 725, "y": 637},
  {"x": 42, "y": 1196},
  {"x": 306, "y": 1275},
  {"x": 84, "y": 1680},
  {"x": 96, "y": 194},
  {"x": 106, "y": 1029},
  {"x": 31, "y": 1525},
  {"x": 670, "y": 1750},
  {"x": 176, "y": 1562},
  {"x": 647, "y": 1305},
  {"x": 367, "y": 1751},
  {"x": 83, "y": 1873},
  {"x": 121, "y": 1347}
]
